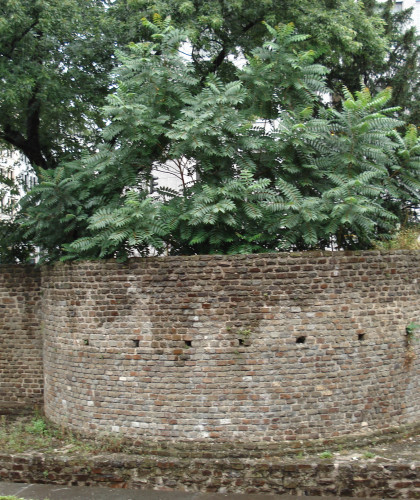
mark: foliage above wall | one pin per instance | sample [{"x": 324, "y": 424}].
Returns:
[
  {"x": 274, "y": 167},
  {"x": 55, "y": 56}
]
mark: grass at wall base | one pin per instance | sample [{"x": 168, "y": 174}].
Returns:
[{"x": 33, "y": 433}]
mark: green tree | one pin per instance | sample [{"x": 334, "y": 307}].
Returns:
[
  {"x": 55, "y": 56},
  {"x": 274, "y": 169},
  {"x": 340, "y": 30},
  {"x": 401, "y": 68},
  {"x": 398, "y": 67}
]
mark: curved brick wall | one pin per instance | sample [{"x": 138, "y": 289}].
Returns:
[{"x": 238, "y": 348}]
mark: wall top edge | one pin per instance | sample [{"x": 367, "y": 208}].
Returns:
[
  {"x": 221, "y": 257},
  {"x": 29, "y": 267}
]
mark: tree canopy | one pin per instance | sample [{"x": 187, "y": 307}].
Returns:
[
  {"x": 274, "y": 167},
  {"x": 55, "y": 56}
]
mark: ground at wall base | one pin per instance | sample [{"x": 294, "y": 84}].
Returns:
[{"x": 388, "y": 467}]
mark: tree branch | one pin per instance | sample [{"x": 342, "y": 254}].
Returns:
[
  {"x": 17, "y": 39},
  {"x": 30, "y": 149},
  {"x": 222, "y": 54}
]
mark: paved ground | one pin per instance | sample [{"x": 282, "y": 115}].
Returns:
[{"x": 55, "y": 492}]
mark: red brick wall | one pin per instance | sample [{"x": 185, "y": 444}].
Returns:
[
  {"x": 21, "y": 371},
  {"x": 238, "y": 348}
]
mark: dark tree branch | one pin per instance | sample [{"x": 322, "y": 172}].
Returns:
[
  {"x": 222, "y": 54},
  {"x": 17, "y": 39},
  {"x": 33, "y": 120},
  {"x": 30, "y": 149},
  {"x": 218, "y": 61},
  {"x": 251, "y": 25},
  {"x": 30, "y": 145}
]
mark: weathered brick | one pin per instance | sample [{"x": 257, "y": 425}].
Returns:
[{"x": 229, "y": 348}]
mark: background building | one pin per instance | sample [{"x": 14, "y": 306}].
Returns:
[
  {"x": 415, "y": 5},
  {"x": 16, "y": 176}
]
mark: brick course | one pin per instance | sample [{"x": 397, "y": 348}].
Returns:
[
  {"x": 255, "y": 348},
  {"x": 21, "y": 369},
  {"x": 363, "y": 480},
  {"x": 239, "y": 348}
]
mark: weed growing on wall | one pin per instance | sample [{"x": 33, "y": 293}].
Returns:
[
  {"x": 11, "y": 498},
  {"x": 407, "y": 238},
  {"x": 411, "y": 328}
]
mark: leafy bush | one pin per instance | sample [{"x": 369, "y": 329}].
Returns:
[{"x": 274, "y": 169}]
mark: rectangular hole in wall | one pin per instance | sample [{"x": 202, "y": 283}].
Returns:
[{"x": 136, "y": 342}]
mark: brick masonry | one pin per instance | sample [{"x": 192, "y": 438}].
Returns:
[
  {"x": 21, "y": 369},
  {"x": 366, "y": 480},
  {"x": 257, "y": 348}
]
